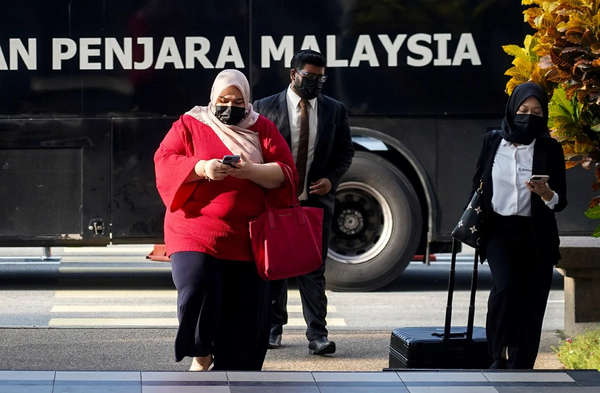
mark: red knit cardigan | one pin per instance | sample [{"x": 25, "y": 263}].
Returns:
[{"x": 213, "y": 216}]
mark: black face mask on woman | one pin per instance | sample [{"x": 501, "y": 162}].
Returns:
[
  {"x": 231, "y": 115},
  {"x": 308, "y": 88},
  {"x": 528, "y": 127}
]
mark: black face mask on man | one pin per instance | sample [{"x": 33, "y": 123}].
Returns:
[
  {"x": 230, "y": 115},
  {"x": 307, "y": 88},
  {"x": 528, "y": 127}
]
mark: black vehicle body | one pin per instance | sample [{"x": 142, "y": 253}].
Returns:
[{"x": 89, "y": 88}]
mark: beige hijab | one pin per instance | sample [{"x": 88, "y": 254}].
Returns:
[{"x": 238, "y": 138}]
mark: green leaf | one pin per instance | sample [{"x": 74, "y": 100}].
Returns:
[
  {"x": 556, "y": 110},
  {"x": 596, "y": 232},
  {"x": 562, "y": 120},
  {"x": 560, "y": 98},
  {"x": 593, "y": 213},
  {"x": 596, "y": 128}
]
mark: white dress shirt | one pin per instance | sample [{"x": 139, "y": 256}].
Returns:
[
  {"x": 511, "y": 169},
  {"x": 293, "y": 107}
]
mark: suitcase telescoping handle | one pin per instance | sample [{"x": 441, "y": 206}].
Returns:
[{"x": 451, "y": 279}]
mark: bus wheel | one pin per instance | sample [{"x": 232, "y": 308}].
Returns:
[{"x": 376, "y": 226}]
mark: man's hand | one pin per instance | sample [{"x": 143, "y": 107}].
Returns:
[{"x": 320, "y": 187}]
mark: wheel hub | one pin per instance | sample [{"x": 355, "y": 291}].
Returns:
[
  {"x": 361, "y": 225},
  {"x": 350, "y": 221}
]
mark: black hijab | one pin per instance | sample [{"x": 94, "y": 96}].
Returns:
[{"x": 521, "y": 128}]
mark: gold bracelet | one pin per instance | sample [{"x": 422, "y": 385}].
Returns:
[{"x": 548, "y": 200}]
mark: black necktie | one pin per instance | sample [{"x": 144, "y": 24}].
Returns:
[{"x": 302, "y": 146}]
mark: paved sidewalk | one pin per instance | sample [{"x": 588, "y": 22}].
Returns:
[
  {"x": 152, "y": 349},
  {"x": 299, "y": 382}
]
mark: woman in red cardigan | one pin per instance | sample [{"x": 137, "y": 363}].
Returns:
[{"x": 223, "y": 304}]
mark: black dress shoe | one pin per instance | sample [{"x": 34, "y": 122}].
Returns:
[
  {"x": 499, "y": 364},
  {"x": 274, "y": 341},
  {"x": 321, "y": 346}
]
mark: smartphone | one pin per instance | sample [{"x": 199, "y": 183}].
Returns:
[
  {"x": 228, "y": 160},
  {"x": 539, "y": 178}
]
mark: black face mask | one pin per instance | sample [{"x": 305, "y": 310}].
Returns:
[
  {"x": 231, "y": 115},
  {"x": 308, "y": 88},
  {"x": 528, "y": 127}
]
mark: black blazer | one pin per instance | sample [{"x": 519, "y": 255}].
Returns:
[
  {"x": 333, "y": 145},
  {"x": 548, "y": 159}
]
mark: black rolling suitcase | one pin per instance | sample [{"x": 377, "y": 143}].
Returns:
[{"x": 443, "y": 347}]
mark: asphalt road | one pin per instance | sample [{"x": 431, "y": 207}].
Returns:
[{"x": 117, "y": 312}]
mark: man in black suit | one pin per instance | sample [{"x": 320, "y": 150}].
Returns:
[{"x": 316, "y": 129}]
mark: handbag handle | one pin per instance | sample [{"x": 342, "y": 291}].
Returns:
[{"x": 287, "y": 172}]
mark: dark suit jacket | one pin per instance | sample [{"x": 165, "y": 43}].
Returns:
[
  {"x": 548, "y": 159},
  {"x": 333, "y": 145}
]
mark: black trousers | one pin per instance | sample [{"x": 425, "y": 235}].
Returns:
[
  {"x": 312, "y": 294},
  {"x": 223, "y": 310},
  {"x": 517, "y": 301}
]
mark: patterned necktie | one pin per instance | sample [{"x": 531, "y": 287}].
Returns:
[{"x": 302, "y": 146}]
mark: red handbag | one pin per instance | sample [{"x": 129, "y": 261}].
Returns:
[{"x": 287, "y": 242}]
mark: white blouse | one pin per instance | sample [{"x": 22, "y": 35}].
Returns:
[{"x": 512, "y": 167}]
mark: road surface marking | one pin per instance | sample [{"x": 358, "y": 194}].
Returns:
[
  {"x": 331, "y": 322},
  {"x": 162, "y": 322},
  {"x": 96, "y": 270},
  {"x": 109, "y": 302},
  {"x": 143, "y": 249},
  {"x": 170, "y": 294},
  {"x": 298, "y": 308},
  {"x": 111, "y": 259},
  {"x": 88, "y": 308},
  {"x": 108, "y": 308}
]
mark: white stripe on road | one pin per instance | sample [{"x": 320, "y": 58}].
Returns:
[
  {"x": 294, "y": 308},
  {"x": 87, "y": 308},
  {"x": 168, "y": 294},
  {"x": 161, "y": 322},
  {"x": 144, "y": 249},
  {"x": 31, "y": 263},
  {"x": 331, "y": 322},
  {"x": 166, "y": 269},
  {"x": 292, "y": 294},
  {"x": 110, "y": 259},
  {"x": 94, "y": 309}
]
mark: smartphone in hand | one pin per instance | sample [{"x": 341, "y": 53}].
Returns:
[
  {"x": 228, "y": 160},
  {"x": 539, "y": 178}
]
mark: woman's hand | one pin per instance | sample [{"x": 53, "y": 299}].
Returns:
[
  {"x": 243, "y": 169},
  {"x": 214, "y": 170},
  {"x": 541, "y": 188}
]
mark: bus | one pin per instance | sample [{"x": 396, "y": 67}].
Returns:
[{"x": 88, "y": 89}]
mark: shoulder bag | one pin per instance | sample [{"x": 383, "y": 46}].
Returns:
[
  {"x": 287, "y": 242},
  {"x": 470, "y": 226}
]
